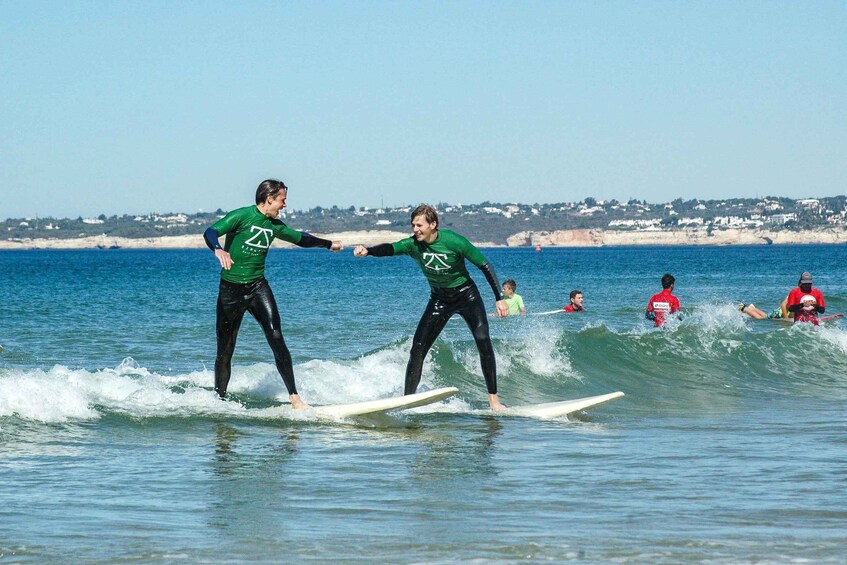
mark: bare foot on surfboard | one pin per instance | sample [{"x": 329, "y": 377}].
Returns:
[
  {"x": 296, "y": 403},
  {"x": 494, "y": 402}
]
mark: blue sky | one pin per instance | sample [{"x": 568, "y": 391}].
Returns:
[{"x": 135, "y": 107}]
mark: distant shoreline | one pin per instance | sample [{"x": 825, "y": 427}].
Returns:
[{"x": 561, "y": 238}]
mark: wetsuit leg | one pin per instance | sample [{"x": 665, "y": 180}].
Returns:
[
  {"x": 434, "y": 319},
  {"x": 263, "y": 308},
  {"x": 230, "y": 311},
  {"x": 473, "y": 312}
]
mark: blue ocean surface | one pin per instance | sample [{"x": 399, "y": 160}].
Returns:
[{"x": 730, "y": 445}]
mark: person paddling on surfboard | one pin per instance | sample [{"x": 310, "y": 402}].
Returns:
[
  {"x": 805, "y": 301},
  {"x": 576, "y": 302},
  {"x": 664, "y": 303},
  {"x": 243, "y": 288},
  {"x": 441, "y": 256},
  {"x": 779, "y": 313}
]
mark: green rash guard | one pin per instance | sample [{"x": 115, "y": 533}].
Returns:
[
  {"x": 443, "y": 260},
  {"x": 249, "y": 235},
  {"x": 515, "y": 304}
]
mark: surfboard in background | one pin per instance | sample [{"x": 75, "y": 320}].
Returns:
[
  {"x": 561, "y": 408},
  {"x": 549, "y": 312},
  {"x": 385, "y": 404},
  {"x": 822, "y": 320}
]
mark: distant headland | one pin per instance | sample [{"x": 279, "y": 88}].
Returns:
[{"x": 588, "y": 223}]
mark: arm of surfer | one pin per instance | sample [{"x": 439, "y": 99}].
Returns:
[
  {"x": 211, "y": 238},
  {"x": 308, "y": 240},
  {"x": 212, "y": 241},
  {"x": 808, "y": 306},
  {"x": 500, "y": 300},
  {"x": 381, "y": 250}
]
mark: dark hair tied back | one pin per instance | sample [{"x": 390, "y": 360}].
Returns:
[{"x": 269, "y": 189}]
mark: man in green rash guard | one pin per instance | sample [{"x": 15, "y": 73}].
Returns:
[
  {"x": 243, "y": 288},
  {"x": 441, "y": 256}
]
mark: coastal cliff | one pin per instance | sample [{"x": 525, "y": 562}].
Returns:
[
  {"x": 560, "y": 238},
  {"x": 349, "y": 239},
  {"x": 730, "y": 236}
]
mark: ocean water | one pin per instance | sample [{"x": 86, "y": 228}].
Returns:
[{"x": 730, "y": 445}]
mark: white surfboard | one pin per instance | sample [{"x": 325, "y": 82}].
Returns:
[
  {"x": 561, "y": 408},
  {"x": 385, "y": 404},
  {"x": 559, "y": 311}
]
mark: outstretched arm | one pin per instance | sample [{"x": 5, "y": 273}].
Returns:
[
  {"x": 308, "y": 240},
  {"x": 381, "y": 250}
]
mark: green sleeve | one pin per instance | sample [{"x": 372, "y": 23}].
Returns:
[
  {"x": 283, "y": 232},
  {"x": 228, "y": 223},
  {"x": 404, "y": 246},
  {"x": 473, "y": 254}
]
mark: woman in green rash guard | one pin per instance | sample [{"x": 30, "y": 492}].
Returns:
[
  {"x": 441, "y": 256},
  {"x": 243, "y": 288}
]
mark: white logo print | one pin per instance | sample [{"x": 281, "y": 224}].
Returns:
[
  {"x": 436, "y": 261},
  {"x": 662, "y": 306},
  {"x": 261, "y": 238}
]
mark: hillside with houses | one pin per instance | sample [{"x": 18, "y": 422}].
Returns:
[{"x": 492, "y": 223}]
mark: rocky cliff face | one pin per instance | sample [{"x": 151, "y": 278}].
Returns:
[
  {"x": 597, "y": 238},
  {"x": 349, "y": 239}
]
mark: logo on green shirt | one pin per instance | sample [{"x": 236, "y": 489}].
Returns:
[
  {"x": 249, "y": 235},
  {"x": 435, "y": 261},
  {"x": 262, "y": 237}
]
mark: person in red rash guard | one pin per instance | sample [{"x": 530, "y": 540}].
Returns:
[
  {"x": 805, "y": 301},
  {"x": 664, "y": 303}
]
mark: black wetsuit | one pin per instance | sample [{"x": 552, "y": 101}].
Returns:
[
  {"x": 243, "y": 288},
  {"x": 452, "y": 292},
  {"x": 258, "y": 299},
  {"x": 443, "y": 303}
]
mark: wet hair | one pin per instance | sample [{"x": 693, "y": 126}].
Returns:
[
  {"x": 668, "y": 280},
  {"x": 428, "y": 212},
  {"x": 510, "y": 283},
  {"x": 269, "y": 188},
  {"x": 574, "y": 293}
]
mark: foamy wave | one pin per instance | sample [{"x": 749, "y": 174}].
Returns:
[
  {"x": 834, "y": 336},
  {"x": 377, "y": 375},
  {"x": 62, "y": 394},
  {"x": 44, "y": 397},
  {"x": 537, "y": 350}
]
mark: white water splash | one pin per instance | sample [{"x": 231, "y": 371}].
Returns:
[{"x": 62, "y": 394}]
